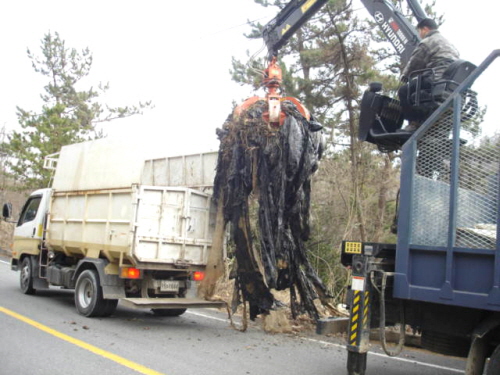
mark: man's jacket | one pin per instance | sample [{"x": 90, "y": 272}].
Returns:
[{"x": 435, "y": 52}]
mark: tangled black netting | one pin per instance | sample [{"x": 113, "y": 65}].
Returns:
[{"x": 273, "y": 169}]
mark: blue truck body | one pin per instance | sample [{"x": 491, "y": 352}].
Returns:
[
  {"x": 448, "y": 245},
  {"x": 442, "y": 277}
]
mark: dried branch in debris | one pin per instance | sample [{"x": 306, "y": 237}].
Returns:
[{"x": 270, "y": 170}]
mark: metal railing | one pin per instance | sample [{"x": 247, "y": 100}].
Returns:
[{"x": 450, "y": 184}]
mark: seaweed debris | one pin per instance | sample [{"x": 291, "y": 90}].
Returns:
[{"x": 269, "y": 171}]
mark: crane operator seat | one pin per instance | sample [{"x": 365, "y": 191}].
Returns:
[
  {"x": 381, "y": 116},
  {"x": 440, "y": 90}
]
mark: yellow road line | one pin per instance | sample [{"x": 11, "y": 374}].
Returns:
[{"x": 91, "y": 348}]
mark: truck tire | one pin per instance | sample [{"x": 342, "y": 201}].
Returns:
[
  {"x": 494, "y": 363},
  {"x": 110, "y": 307},
  {"x": 89, "y": 299},
  {"x": 169, "y": 312},
  {"x": 26, "y": 276}
]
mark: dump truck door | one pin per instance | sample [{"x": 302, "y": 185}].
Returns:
[{"x": 29, "y": 229}]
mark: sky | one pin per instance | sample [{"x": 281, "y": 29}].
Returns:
[{"x": 176, "y": 54}]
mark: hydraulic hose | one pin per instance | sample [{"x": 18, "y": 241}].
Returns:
[{"x": 383, "y": 340}]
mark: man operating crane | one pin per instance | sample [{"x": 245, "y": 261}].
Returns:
[{"x": 433, "y": 54}]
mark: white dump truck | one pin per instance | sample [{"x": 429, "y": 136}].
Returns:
[{"x": 118, "y": 227}]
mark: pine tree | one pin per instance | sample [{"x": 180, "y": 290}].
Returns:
[{"x": 68, "y": 115}]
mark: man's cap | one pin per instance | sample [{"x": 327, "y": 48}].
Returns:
[{"x": 427, "y": 22}]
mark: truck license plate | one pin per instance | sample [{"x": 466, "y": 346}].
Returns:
[{"x": 169, "y": 285}]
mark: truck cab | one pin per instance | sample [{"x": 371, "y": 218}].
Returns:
[{"x": 29, "y": 231}]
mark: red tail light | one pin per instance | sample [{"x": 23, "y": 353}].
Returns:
[
  {"x": 198, "y": 276},
  {"x": 130, "y": 273}
]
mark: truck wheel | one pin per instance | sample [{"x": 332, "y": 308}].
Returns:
[
  {"x": 169, "y": 312},
  {"x": 110, "y": 307},
  {"x": 26, "y": 278},
  {"x": 494, "y": 363},
  {"x": 88, "y": 294}
]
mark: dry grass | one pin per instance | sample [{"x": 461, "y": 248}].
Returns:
[
  {"x": 17, "y": 199},
  {"x": 6, "y": 234},
  {"x": 277, "y": 321}
]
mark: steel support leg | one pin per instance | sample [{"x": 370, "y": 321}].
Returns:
[
  {"x": 356, "y": 363},
  {"x": 358, "y": 338}
]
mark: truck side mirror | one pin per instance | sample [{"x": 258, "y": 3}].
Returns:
[{"x": 7, "y": 211}]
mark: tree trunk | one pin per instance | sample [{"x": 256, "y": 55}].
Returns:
[{"x": 350, "y": 98}]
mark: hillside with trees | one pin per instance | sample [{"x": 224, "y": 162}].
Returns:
[{"x": 69, "y": 113}]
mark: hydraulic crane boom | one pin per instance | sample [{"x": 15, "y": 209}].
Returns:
[
  {"x": 397, "y": 29},
  {"x": 393, "y": 23},
  {"x": 296, "y": 13},
  {"x": 291, "y": 18}
]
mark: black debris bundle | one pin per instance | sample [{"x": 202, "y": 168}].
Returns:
[{"x": 263, "y": 180}]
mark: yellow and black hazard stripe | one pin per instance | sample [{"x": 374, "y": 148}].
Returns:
[
  {"x": 366, "y": 304},
  {"x": 355, "y": 318},
  {"x": 307, "y": 5},
  {"x": 359, "y": 316}
]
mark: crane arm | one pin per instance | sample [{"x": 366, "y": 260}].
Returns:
[
  {"x": 291, "y": 18},
  {"x": 395, "y": 26},
  {"x": 398, "y": 30}
]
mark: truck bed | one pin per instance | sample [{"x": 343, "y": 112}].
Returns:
[{"x": 144, "y": 224}]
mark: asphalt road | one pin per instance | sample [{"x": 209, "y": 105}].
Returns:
[{"x": 43, "y": 334}]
